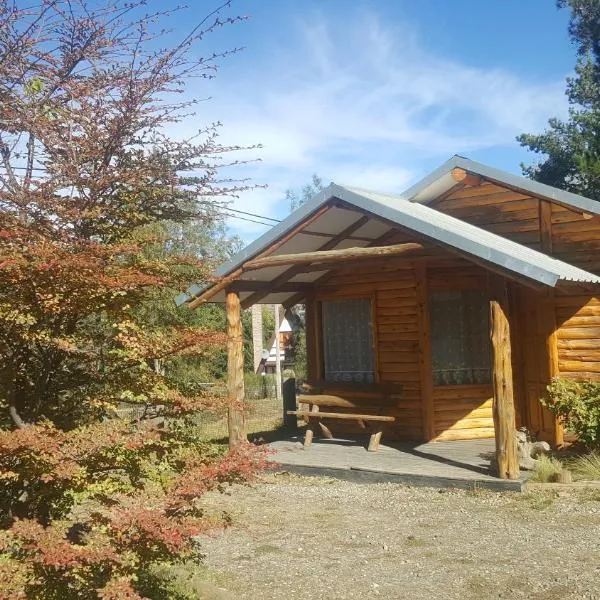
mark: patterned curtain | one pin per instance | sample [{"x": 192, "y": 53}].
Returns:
[
  {"x": 460, "y": 343},
  {"x": 348, "y": 341}
]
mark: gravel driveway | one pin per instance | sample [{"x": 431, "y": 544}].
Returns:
[{"x": 312, "y": 538}]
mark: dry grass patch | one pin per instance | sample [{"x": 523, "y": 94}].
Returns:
[
  {"x": 586, "y": 467},
  {"x": 547, "y": 469}
]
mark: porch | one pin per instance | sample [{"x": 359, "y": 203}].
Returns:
[
  {"x": 468, "y": 323},
  {"x": 457, "y": 464}
]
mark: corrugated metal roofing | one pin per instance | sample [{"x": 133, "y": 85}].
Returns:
[
  {"x": 468, "y": 238},
  {"x": 410, "y": 210},
  {"x": 440, "y": 181}
]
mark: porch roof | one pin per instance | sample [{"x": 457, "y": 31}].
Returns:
[{"x": 373, "y": 214}]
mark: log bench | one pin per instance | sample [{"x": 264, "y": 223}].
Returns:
[{"x": 325, "y": 400}]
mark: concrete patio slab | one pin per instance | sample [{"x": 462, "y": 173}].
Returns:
[{"x": 460, "y": 464}]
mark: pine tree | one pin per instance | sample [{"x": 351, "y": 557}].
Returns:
[{"x": 571, "y": 148}]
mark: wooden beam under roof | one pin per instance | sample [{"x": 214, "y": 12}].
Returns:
[
  {"x": 329, "y": 257},
  {"x": 219, "y": 286},
  {"x": 381, "y": 240},
  {"x": 465, "y": 178},
  {"x": 242, "y": 285},
  {"x": 292, "y": 271}
]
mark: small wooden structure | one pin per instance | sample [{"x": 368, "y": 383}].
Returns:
[{"x": 471, "y": 290}]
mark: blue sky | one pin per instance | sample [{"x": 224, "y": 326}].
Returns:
[{"x": 379, "y": 93}]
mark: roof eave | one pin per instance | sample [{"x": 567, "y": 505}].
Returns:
[
  {"x": 262, "y": 242},
  {"x": 535, "y": 188}
]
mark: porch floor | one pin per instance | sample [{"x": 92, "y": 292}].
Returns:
[{"x": 459, "y": 464}]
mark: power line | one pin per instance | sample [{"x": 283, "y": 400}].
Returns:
[
  {"x": 223, "y": 214},
  {"x": 224, "y": 211},
  {"x": 242, "y": 212}
]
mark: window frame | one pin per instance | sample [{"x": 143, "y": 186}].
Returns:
[
  {"x": 484, "y": 332},
  {"x": 319, "y": 333}
]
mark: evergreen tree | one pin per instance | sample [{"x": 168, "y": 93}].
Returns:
[{"x": 571, "y": 148}]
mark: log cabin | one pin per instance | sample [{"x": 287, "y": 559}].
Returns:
[{"x": 471, "y": 290}]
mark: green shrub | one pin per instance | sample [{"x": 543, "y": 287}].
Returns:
[
  {"x": 577, "y": 403},
  {"x": 586, "y": 467}
]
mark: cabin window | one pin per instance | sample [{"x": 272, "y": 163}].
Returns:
[
  {"x": 348, "y": 341},
  {"x": 460, "y": 343}
]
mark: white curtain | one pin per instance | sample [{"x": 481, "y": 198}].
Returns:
[
  {"x": 348, "y": 341},
  {"x": 460, "y": 344}
]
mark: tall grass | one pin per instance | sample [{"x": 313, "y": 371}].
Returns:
[
  {"x": 586, "y": 467},
  {"x": 547, "y": 469}
]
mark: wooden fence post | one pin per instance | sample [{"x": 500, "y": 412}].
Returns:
[
  {"x": 235, "y": 370},
  {"x": 503, "y": 407},
  {"x": 289, "y": 399}
]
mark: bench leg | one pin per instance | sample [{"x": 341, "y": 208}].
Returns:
[
  {"x": 308, "y": 436},
  {"x": 374, "y": 442},
  {"x": 326, "y": 431}
]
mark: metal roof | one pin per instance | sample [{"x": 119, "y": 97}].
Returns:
[
  {"x": 477, "y": 242},
  {"x": 440, "y": 181},
  {"x": 408, "y": 210}
]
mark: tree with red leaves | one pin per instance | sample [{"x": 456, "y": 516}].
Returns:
[{"x": 91, "y": 186}]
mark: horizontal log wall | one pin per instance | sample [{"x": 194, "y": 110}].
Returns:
[
  {"x": 569, "y": 235},
  {"x": 576, "y": 238},
  {"x": 463, "y": 412},
  {"x": 578, "y": 333},
  {"x": 508, "y": 213},
  {"x": 395, "y": 335},
  {"x": 393, "y": 289}
]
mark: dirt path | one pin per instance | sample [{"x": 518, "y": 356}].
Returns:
[{"x": 311, "y": 538}]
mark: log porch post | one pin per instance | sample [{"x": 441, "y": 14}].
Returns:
[
  {"x": 236, "y": 421},
  {"x": 503, "y": 406}
]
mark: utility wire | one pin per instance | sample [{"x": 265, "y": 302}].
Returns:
[
  {"x": 222, "y": 210},
  {"x": 242, "y": 212}
]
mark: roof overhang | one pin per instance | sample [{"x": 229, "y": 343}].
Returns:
[
  {"x": 440, "y": 181},
  {"x": 367, "y": 216}
]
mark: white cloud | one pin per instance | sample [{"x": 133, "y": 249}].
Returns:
[{"x": 359, "y": 101}]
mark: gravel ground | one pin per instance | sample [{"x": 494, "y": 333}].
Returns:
[{"x": 316, "y": 538}]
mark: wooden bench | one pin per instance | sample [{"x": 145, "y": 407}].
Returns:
[{"x": 334, "y": 396}]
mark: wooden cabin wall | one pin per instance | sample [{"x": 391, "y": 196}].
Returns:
[
  {"x": 461, "y": 412},
  {"x": 508, "y": 213},
  {"x": 395, "y": 336},
  {"x": 576, "y": 238},
  {"x": 458, "y": 411},
  {"x": 578, "y": 336},
  {"x": 533, "y": 318},
  {"x": 563, "y": 232},
  {"x": 558, "y": 335}
]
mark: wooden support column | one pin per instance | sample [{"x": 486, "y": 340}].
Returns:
[
  {"x": 235, "y": 370},
  {"x": 503, "y": 407},
  {"x": 548, "y": 325},
  {"x": 425, "y": 368},
  {"x": 552, "y": 429}
]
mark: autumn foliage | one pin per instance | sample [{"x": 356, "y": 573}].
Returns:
[
  {"x": 87, "y": 513},
  {"x": 91, "y": 185}
]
